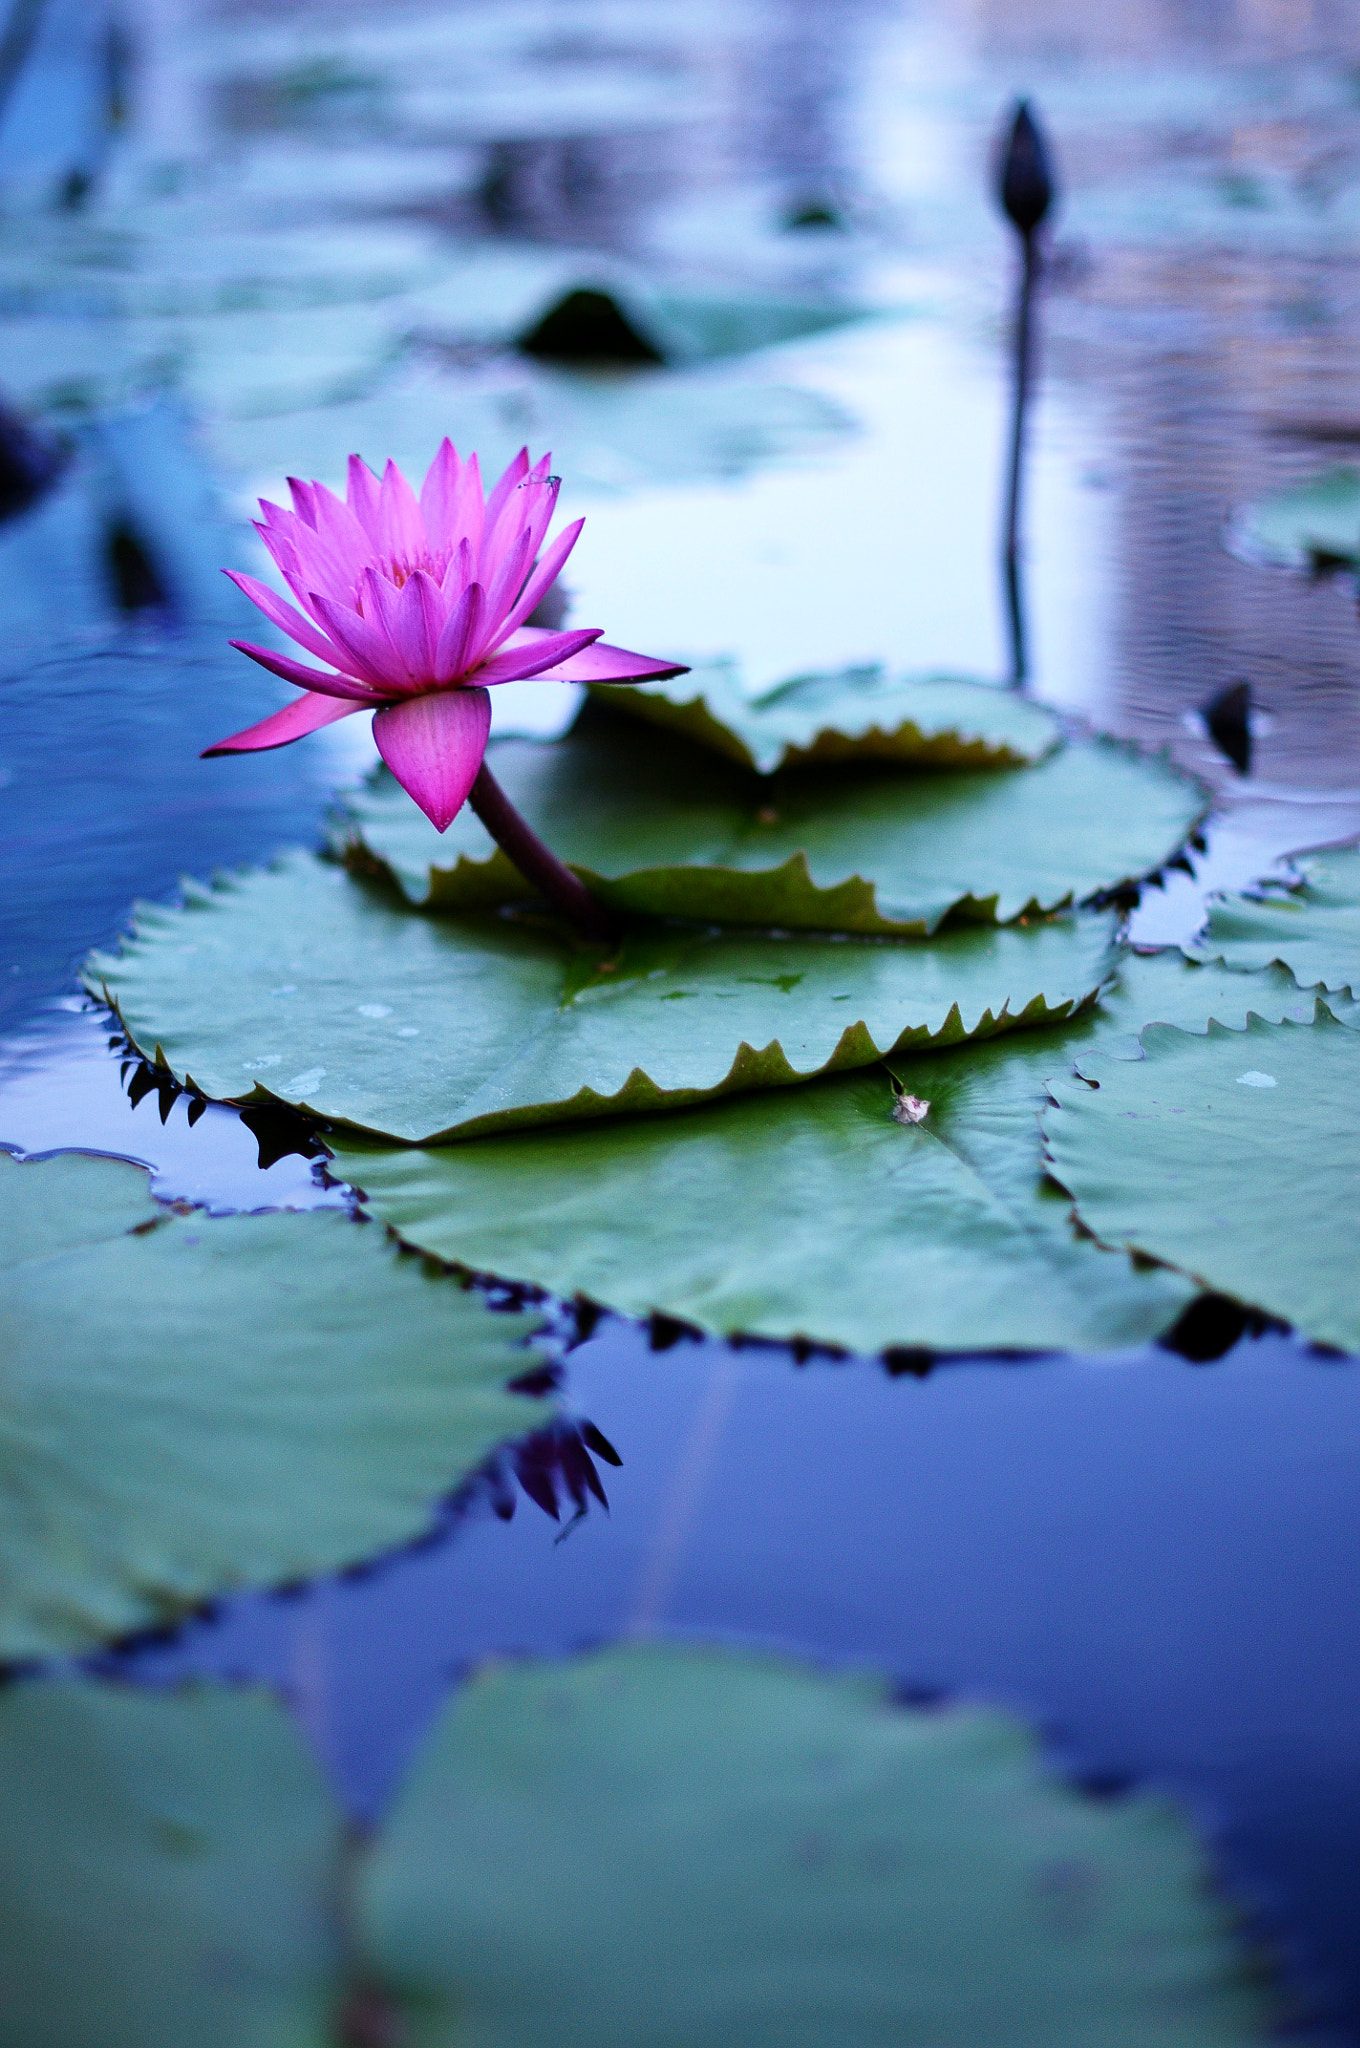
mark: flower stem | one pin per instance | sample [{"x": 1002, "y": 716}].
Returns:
[{"x": 564, "y": 890}]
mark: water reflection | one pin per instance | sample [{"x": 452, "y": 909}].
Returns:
[{"x": 1121, "y": 1550}]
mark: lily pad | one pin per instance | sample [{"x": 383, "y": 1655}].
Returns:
[
  {"x": 1314, "y": 526},
  {"x": 860, "y": 714},
  {"x": 662, "y": 827},
  {"x": 300, "y": 984},
  {"x": 652, "y": 1845},
  {"x": 834, "y": 1222},
  {"x": 660, "y": 1846},
  {"x": 1235, "y": 1157},
  {"x": 167, "y": 1865},
  {"x": 1315, "y": 932},
  {"x": 188, "y": 1404}
]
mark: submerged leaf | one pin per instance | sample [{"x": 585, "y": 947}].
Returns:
[
  {"x": 190, "y": 1403},
  {"x": 661, "y": 1846},
  {"x": 167, "y": 1865},
  {"x": 1235, "y": 1157},
  {"x": 661, "y": 826},
  {"x": 300, "y": 984},
  {"x": 860, "y": 714},
  {"x": 815, "y": 1213}
]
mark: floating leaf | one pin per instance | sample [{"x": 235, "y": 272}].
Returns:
[
  {"x": 1235, "y": 1157},
  {"x": 186, "y": 1404},
  {"x": 1314, "y": 526},
  {"x": 649, "y": 1846},
  {"x": 814, "y": 1213},
  {"x": 658, "y": 1846},
  {"x": 167, "y": 1866},
  {"x": 1315, "y": 933},
  {"x": 298, "y": 984},
  {"x": 664, "y": 828},
  {"x": 860, "y": 714}
]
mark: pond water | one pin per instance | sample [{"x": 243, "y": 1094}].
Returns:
[{"x": 1150, "y": 1558}]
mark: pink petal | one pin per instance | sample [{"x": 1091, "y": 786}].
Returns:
[
  {"x": 319, "y": 566},
  {"x": 497, "y": 500},
  {"x": 531, "y": 659},
  {"x": 462, "y": 635},
  {"x": 605, "y": 664},
  {"x": 401, "y": 529},
  {"x": 543, "y": 578},
  {"x": 469, "y": 517},
  {"x": 507, "y": 579},
  {"x": 368, "y": 649},
  {"x": 302, "y": 495},
  {"x": 362, "y": 497},
  {"x": 420, "y": 618},
  {"x": 434, "y": 746},
  {"x": 439, "y": 494},
  {"x": 458, "y": 575},
  {"x": 294, "y": 722},
  {"x": 340, "y": 532},
  {"x": 309, "y": 678},
  {"x": 282, "y": 614},
  {"x": 540, "y": 502}
]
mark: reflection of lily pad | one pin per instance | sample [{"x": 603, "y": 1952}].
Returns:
[
  {"x": 834, "y": 1222},
  {"x": 1315, "y": 933},
  {"x": 1234, "y": 1157},
  {"x": 1314, "y": 526},
  {"x": 860, "y": 714},
  {"x": 663, "y": 827},
  {"x": 298, "y": 984},
  {"x": 166, "y": 1872},
  {"x": 607, "y": 433},
  {"x": 658, "y": 1847},
  {"x": 187, "y": 1404}
]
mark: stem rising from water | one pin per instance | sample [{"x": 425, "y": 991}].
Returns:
[{"x": 564, "y": 890}]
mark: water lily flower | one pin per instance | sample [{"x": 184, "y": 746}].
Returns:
[{"x": 420, "y": 606}]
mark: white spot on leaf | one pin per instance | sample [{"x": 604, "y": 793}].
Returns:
[
  {"x": 1255, "y": 1080},
  {"x": 374, "y": 1009},
  {"x": 300, "y": 1083}
]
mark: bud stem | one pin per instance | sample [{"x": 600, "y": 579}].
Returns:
[
  {"x": 564, "y": 890},
  {"x": 1011, "y": 550}
]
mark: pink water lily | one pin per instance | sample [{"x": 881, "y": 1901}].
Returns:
[{"x": 420, "y": 605}]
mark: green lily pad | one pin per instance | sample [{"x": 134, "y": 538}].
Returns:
[
  {"x": 816, "y": 1213},
  {"x": 167, "y": 1865},
  {"x": 299, "y": 984},
  {"x": 650, "y": 1846},
  {"x": 1315, "y": 933},
  {"x": 660, "y": 1846},
  {"x": 1235, "y": 1157},
  {"x": 860, "y": 714},
  {"x": 187, "y": 1404},
  {"x": 1314, "y": 526},
  {"x": 662, "y": 827}
]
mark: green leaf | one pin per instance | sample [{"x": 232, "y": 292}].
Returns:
[
  {"x": 815, "y": 1213},
  {"x": 1314, "y": 933},
  {"x": 1314, "y": 526},
  {"x": 299, "y": 984},
  {"x": 657, "y": 1847},
  {"x": 167, "y": 1868},
  {"x": 859, "y": 714},
  {"x": 1233, "y": 1157},
  {"x": 665, "y": 828},
  {"x": 188, "y": 1404}
]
